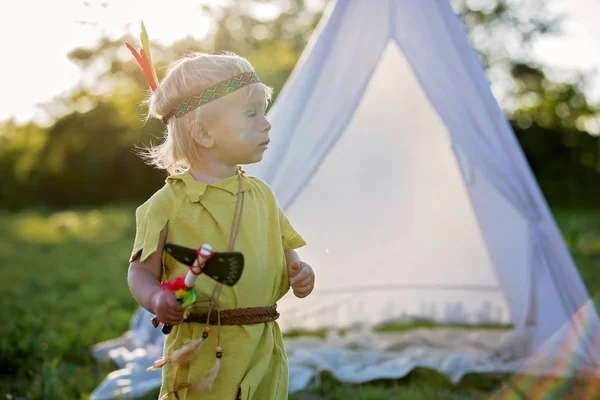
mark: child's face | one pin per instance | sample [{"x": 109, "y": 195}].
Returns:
[{"x": 241, "y": 132}]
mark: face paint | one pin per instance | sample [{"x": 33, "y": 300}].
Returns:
[{"x": 246, "y": 135}]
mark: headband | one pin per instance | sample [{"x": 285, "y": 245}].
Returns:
[{"x": 205, "y": 96}]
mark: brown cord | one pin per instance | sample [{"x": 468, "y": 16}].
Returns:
[{"x": 235, "y": 227}]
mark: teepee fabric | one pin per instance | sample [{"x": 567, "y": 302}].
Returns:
[{"x": 393, "y": 159}]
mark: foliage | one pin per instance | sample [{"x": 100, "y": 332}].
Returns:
[
  {"x": 559, "y": 131},
  {"x": 87, "y": 156}
]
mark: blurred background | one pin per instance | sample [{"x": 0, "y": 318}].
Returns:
[{"x": 71, "y": 117}]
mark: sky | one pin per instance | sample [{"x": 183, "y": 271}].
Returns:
[
  {"x": 579, "y": 45},
  {"x": 36, "y": 35}
]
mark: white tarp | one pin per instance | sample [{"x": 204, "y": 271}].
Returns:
[
  {"x": 363, "y": 355},
  {"x": 356, "y": 357}
]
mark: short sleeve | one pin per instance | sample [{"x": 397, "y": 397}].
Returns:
[
  {"x": 290, "y": 238},
  {"x": 150, "y": 219}
]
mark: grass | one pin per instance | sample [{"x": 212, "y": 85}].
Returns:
[
  {"x": 62, "y": 279},
  {"x": 396, "y": 327},
  {"x": 63, "y": 286},
  {"x": 420, "y": 384}
]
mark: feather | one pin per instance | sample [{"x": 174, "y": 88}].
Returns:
[
  {"x": 176, "y": 389},
  {"x": 135, "y": 53},
  {"x": 146, "y": 49},
  {"x": 182, "y": 356},
  {"x": 159, "y": 363},
  {"x": 143, "y": 59},
  {"x": 206, "y": 383},
  {"x": 148, "y": 71}
]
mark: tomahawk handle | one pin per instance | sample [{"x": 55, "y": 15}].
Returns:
[{"x": 166, "y": 328}]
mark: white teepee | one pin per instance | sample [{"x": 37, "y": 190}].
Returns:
[{"x": 392, "y": 158}]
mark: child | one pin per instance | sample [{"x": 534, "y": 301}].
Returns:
[{"x": 211, "y": 130}]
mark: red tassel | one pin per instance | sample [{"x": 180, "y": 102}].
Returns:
[{"x": 174, "y": 285}]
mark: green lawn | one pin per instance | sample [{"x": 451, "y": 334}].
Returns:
[{"x": 63, "y": 285}]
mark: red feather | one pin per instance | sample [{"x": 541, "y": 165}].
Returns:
[
  {"x": 147, "y": 68},
  {"x": 144, "y": 64},
  {"x": 174, "y": 285},
  {"x": 134, "y": 52}
]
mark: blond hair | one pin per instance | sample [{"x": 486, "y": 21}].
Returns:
[{"x": 185, "y": 78}]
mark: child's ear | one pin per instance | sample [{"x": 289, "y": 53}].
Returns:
[{"x": 202, "y": 135}]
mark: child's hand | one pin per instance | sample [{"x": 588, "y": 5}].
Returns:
[
  {"x": 302, "y": 278},
  {"x": 166, "y": 308}
]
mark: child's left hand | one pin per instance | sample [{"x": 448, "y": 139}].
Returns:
[{"x": 302, "y": 278}]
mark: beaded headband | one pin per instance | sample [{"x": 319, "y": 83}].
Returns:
[
  {"x": 207, "y": 95},
  {"x": 213, "y": 92}
]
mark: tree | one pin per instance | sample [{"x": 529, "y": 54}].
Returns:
[
  {"x": 86, "y": 157},
  {"x": 89, "y": 148},
  {"x": 553, "y": 121}
]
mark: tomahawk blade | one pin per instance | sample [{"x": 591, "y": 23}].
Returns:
[
  {"x": 182, "y": 254},
  {"x": 223, "y": 267}
]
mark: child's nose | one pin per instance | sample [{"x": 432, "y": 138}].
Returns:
[{"x": 266, "y": 124}]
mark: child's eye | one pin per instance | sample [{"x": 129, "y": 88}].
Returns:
[{"x": 253, "y": 114}]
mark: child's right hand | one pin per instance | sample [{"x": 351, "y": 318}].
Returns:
[{"x": 166, "y": 308}]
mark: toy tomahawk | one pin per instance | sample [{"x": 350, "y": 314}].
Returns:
[{"x": 225, "y": 268}]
